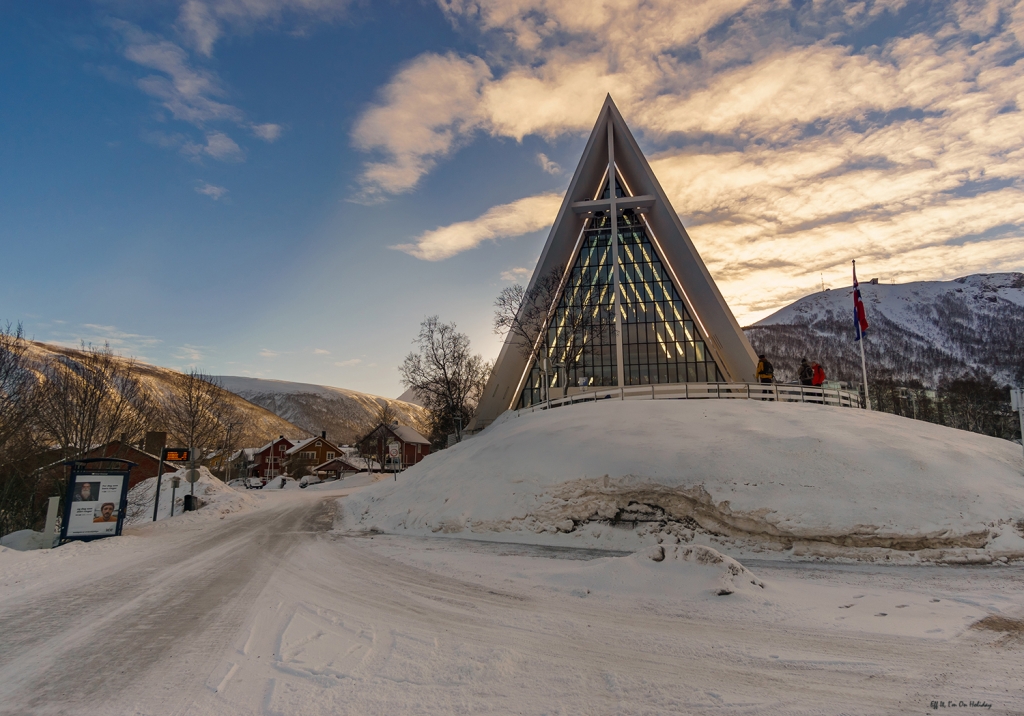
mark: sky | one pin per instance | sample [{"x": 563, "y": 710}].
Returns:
[{"x": 287, "y": 188}]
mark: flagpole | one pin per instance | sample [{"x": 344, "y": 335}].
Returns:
[{"x": 864, "y": 369}]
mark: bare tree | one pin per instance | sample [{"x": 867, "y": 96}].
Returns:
[
  {"x": 445, "y": 374},
  {"x": 86, "y": 398},
  {"x": 21, "y": 489},
  {"x": 385, "y": 413},
  {"x": 525, "y": 315},
  {"x": 198, "y": 411},
  {"x": 91, "y": 397}
]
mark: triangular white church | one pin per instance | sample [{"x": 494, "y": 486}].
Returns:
[{"x": 666, "y": 319}]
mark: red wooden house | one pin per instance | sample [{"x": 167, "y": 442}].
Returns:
[{"x": 269, "y": 460}]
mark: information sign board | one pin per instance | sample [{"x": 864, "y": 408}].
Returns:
[
  {"x": 177, "y": 454},
  {"x": 95, "y": 504},
  {"x": 393, "y": 449}
]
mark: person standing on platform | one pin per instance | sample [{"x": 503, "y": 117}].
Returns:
[
  {"x": 765, "y": 371},
  {"x": 817, "y": 375},
  {"x": 805, "y": 372}
]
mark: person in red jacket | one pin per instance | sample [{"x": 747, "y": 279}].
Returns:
[{"x": 817, "y": 375}]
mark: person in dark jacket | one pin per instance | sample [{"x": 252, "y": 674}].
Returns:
[
  {"x": 765, "y": 371},
  {"x": 806, "y": 372},
  {"x": 817, "y": 375}
]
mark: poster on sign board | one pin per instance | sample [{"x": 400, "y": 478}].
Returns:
[{"x": 95, "y": 505}]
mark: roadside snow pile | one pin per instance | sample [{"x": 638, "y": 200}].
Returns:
[
  {"x": 786, "y": 480},
  {"x": 25, "y": 539},
  {"x": 282, "y": 483},
  {"x": 661, "y": 569},
  {"x": 215, "y": 495}
]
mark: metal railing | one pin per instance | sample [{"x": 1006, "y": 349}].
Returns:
[{"x": 774, "y": 392}]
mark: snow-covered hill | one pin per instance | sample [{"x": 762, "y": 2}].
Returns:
[
  {"x": 257, "y": 424},
  {"x": 918, "y": 330},
  {"x": 346, "y": 415},
  {"x": 745, "y": 477}
]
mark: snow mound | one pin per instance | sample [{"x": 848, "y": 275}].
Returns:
[
  {"x": 688, "y": 571},
  {"x": 23, "y": 540},
  {"x": 216, "y": 497},
  {"x": 751, "y": 477}
]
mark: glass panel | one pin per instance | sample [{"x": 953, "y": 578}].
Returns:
[
  {"x": 581, "y": 334},
  {"x": 668, "y": 347},
  {"x": 660, "y": 341}
]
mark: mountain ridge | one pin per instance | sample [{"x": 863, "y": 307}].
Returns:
[
  {"x": 345, "y": 414},
  {"x": 921, "y": 331}
]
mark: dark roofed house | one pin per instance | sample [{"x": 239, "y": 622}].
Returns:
[
  {"x": 313, "y": 451},
  {"x": 269, "y": 460},
  {"x": 339, "y": 467},
  {"x": 147, "y": 464},
  {"x": 414, "y": 447}
]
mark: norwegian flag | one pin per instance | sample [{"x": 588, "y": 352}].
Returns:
[{"x": 860, "y": 319}]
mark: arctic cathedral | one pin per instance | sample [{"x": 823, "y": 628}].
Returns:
[{"x": 634, "y": 303}]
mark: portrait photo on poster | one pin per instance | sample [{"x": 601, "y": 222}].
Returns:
[
  {"x": 107, "y": 512},
  {"x": 87, "y": 491}
]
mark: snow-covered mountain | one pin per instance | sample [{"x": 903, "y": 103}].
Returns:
[
  {"x": 921, "y": 330},
  {"x": 257, "y": 424},
  {"x": 346, "y": 415}
]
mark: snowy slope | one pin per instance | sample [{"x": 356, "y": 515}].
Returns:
[
  {"x": 346, "y": 415},
  {"x": 258, "y": 424},
  {"x": 782, "y": 479},
  {"x": 918, "y": 330}
]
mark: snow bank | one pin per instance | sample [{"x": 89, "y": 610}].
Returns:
[
  {"x": 690, "y": 571},
  {"x": 215, "y": 495},
  {"x": 751, "y": 477},
  {"x": 25, "y": 539}
]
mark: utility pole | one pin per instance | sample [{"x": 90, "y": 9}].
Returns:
[{"x": 159, "y": 475}]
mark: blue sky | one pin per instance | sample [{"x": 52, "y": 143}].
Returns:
[{"x": 224, "y": 183}]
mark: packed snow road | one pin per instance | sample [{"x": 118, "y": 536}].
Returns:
[{"x": 271, "y": 612}]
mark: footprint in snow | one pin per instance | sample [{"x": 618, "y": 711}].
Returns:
[
  {"x": 857, "y": 596},
  {"x": 935, "y": 600},
  {"x": 881, "y": 614},
  {"x": 845, "y": 606},
  {"x": 900, "y": 606}
]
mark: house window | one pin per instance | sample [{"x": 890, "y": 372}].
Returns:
[
  {"x": 318, "y": 443},
  {"x": 330, "y": 455},
  {"x": 309, "y": 455},
  {"x": 280, "y": 448}
]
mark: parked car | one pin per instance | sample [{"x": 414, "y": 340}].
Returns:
[{"x": 253, "y": 483}]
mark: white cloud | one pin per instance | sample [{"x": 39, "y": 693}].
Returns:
[
  {"x": 529, "y": 214},
  {"x": 214, "y": 192},
  {"x": 267, "y": 132},
  {"x": 421, "y": 115},
  {"x": 321, "y": 352},
  {"x": 122, "y": 342},
  {"x": 267, "y": 353},
  {"x": 349, "y": 363},
  {"x": 203, "y": 22},
  {"x": 786, "y": 152},
  {"x": 193, "y": 354},
  {"x": 188, "y": 92},
  {"x": 520, "y": 273},
  {"x": 218, "y": 145},
  {"x": 547, "y": 165}
]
